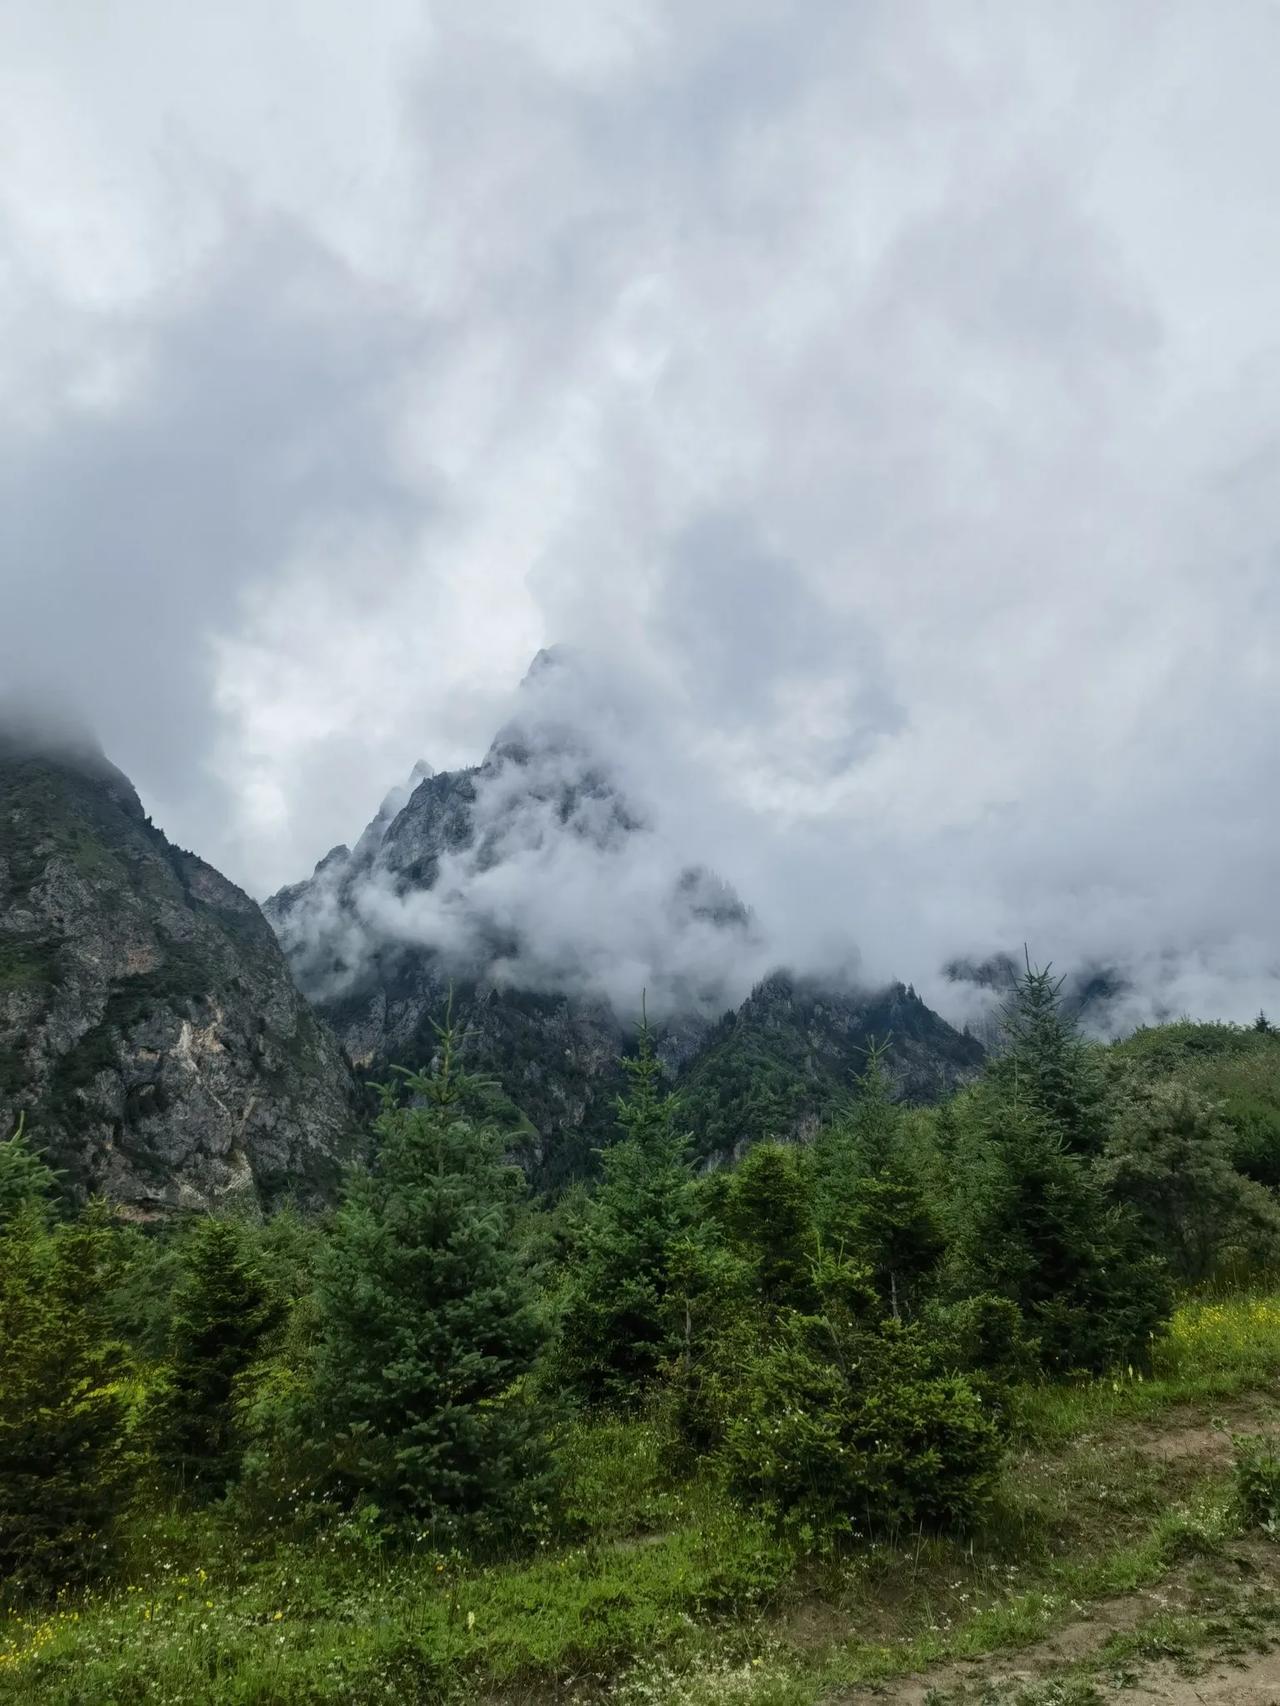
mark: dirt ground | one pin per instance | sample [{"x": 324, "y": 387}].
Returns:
[{"x": 1233, "y": 1601}]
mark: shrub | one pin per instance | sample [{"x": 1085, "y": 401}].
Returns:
[
  {"x": 837, "y": 1429},
  {"x": 1169, "y": 1157},
  {"x": 982, "y": 1335},
  {"x": 1257, "y": 1480}
]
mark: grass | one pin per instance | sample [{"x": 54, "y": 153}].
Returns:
[
  {"x": 659, "y": 1591},
  {"x": 1214, "y": 1349}
]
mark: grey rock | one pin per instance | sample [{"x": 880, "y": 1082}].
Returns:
[{"x": 149, "y": 1026}]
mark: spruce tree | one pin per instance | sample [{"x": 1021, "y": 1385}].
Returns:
[
  {"x": 769, "y": 1215},
  {"x": 220, "y": 1311},
  {"x": 26, "y": 1181},
  {"x": 622, "y": 1321},
  {"x": 428, "y": 1325},
  {"x": 1047, "y": 1065},
  {"x": 1035, "y": 1225},
  {"x": 870, "y": 1202},
  {"x": 63, "y": 1462}
]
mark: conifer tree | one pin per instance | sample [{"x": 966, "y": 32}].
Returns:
[
  {"x": 428, "y": 1322},
  {"x": 26, "y": 1180},
  {"x": 220, "y": 1312},
  {"x": 870, "y": 1202},
  {"x": 1036, "y": 1226},
  {"x": 62, "y": 1418},
  {"x": 1047, "y": 1065},
  {"x": 769, "y": 1214},
  {"x": 621, "y": 1322}
]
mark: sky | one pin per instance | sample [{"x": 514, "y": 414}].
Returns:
[{"x": 886, "y": 397}]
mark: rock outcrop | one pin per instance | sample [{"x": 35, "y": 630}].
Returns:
[{"x": 149, "y": 1025}]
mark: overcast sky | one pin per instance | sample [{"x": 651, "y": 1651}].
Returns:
[{"x": 887, "y": 393}]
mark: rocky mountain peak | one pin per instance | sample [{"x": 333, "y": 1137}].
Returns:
[
  {"x": 149, "y": 1027},
  {"x": 536, "y": 889}
]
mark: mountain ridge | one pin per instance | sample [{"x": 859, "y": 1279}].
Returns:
[
  {"x": 149, "y": 1027},
  {"x": 457, "y": 897}
]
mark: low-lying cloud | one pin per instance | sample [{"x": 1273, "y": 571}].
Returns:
[{"x": 884, "y": 399}]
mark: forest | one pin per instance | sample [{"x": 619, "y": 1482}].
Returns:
[{"x": 768, "y": 1431}]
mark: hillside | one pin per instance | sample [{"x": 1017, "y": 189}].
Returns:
[
  {"x": 899, "y": 1498},
  {"x": 149, "y": 1028}
]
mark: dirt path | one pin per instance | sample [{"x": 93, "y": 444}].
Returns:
[
  {"x": 1230, "y": 1655},
  {"x": 1256, "y": 1682},
  {"x": 1219, "y": 1618},
  {"x": 971, "y": 1679}
]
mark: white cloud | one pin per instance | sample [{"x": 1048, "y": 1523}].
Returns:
[{"x": 886, "y": 394}]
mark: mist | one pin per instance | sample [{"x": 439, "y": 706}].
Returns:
[{"x": 885, "y": 407}]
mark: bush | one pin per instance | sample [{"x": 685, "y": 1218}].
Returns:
[
  {"x": 982, "y": 1335},
  {"x": 837, "y": 1429},
  {"x": 1257, "y": 1479},
  {"x": 1169, "y": 1158}
]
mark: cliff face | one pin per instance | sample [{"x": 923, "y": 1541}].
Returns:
[{"x": 149, "y": 1026}]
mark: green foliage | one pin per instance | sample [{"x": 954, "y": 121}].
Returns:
[
  {"x": 1257, "y": 1480},
  {"x": 428, "y": 1327},
  {"x": 1235, "y": 1067},
  {"x": 1169, "y": 1159},
  {"x": 27, "y": 1182},
  {"x": 869, "y": 1197},
  {"x": 750, "y": 1085},
  {"x": 984, "y": 1337},
  {"x": 1047, "y": 1066},
  {"x": 621, "y": 1321},
  {"x": 26, "y": 964},
  {"x": 63, "y": 1408},
  {"x": 768, "y": 1212},
  {"x": 840, "y": 1428},
  {"x": 221, "y": 1309},
  {"x": 1035, "y": 1225}
]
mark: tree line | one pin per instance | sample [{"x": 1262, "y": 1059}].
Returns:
[{"x": 838, "y": 1330}]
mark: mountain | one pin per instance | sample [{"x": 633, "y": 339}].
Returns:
[
  {"x": 547, "y": 900},
  {"x": 791, "y": 1052},
  {"x": 149, "y": 1026}
]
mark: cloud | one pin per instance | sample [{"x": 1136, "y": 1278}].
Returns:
[{"x": 886, "y": 399}]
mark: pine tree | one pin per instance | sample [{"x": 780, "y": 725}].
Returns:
[
  {"x": 220, "y": 1311},
  {"x": 62, "y": 1417},
  {"x": 1047, "y": 1065},
  {"x": 428, "y": 1323},
  {"x": 769, "y": 1215},
  {"x": 870, "y": 1201},
  {"x": 621, "y": 1321},
  {"x": 25, "y": 1178},
  {"x": 1035, "y": 1225}
]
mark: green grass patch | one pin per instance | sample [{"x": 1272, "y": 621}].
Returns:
[{"x": 660, "y": 1591}]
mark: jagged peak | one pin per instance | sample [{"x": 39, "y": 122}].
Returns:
[{"x": 335, "y": 856}]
